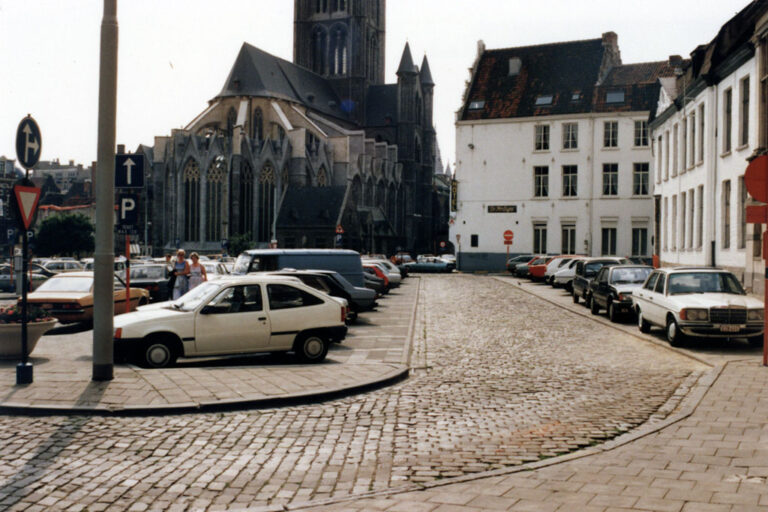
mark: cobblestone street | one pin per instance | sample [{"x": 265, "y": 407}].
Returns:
[{"x": 499, "y": 378}]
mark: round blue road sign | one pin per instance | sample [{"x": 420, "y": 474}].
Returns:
[{"x": 29, "y": 143}]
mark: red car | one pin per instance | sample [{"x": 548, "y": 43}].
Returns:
[
  {"x": 537, "y": 267},
  {"x": 379, "y": 274}
]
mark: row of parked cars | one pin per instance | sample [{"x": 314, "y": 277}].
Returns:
[{"x": 687, "y": 302}]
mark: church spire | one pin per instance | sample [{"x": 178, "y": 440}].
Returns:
[
  {"x": 426, "y": 74},
  {"x": 406, "y": 62}
]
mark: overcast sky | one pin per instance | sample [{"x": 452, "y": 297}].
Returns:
[{"x": 174, "y": 55}]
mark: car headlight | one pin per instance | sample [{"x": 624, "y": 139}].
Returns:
[
  {"x": 694, "y": 314},
  {"x": 756, "y": 314}
]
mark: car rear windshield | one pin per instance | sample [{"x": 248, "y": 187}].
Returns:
[
  {"x": 67, "y": 284},
  {"x": 704, "y": 282},
  {"x": 148, "y": 272},
  {"x": 630, "y": 275}
]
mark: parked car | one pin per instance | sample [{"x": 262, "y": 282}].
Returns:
[
  {"x": 390, "y": 270},
  {"x": 378, "y": 272},
  {"x": 430, "y": 263},
  {"x": 234, "y": 315},
  {"x": 522, "y": 269},
  {"x": 613, "y": 286},
  {"x": 69, "y": 297},
  {"x": 343, "y": 261},
  {"x": 8, "y": 279},
  {"x": 119, "y": 265},
  {"x": 554, "y": 265},
  {"x": 586, "y": 270},
  {"x": 372, "y": 282},
  {"x": 214, "y": 269},
  {"x": 698, "y": 302},
  {"x": 152, "y": 277},
  {"x": 539, "y": 264},
  {"x": 516, "y": 260},
  {"x": 564, "y": 275},
  {"x": 58, "y": 266}
]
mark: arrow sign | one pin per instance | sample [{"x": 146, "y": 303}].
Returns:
[
  {"x": 26, "y": 200},
  {"x": 129, "y": 171},
  {"x": 28, "y": 142}
]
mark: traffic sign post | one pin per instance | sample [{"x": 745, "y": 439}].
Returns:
[
  {"x": 509, "y": 235},
  {"x": 756, "y": 181},
  {"x": 129, "y": 171},
  {"x": 29, "y": 144}
]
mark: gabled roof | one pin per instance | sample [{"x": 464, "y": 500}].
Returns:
[
  {"x": 258, "y": 73},
  {"x": 381, "y": 108},
  {"x": 311, "y": 207},
  {"x": 639, "y": 83},
  {"x": 557, "y": 69}
]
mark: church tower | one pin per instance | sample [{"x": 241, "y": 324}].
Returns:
[{"x": 343, "y": 41}]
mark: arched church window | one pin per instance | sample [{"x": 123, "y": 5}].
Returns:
[
  {"x": 342, "y": 5},
  {"x": 322, "y": 178},
  {"x": 214, "y": 198},
  {"x": 325, "y": 5},
  {"x": 368, "y": 193},
  {"x": 191, "y": 183},
  {"x": 246, "y": 199},
  {"x": 266, "y": 199},
  {"x": 319, "y": 50},
  {"x": 339, "y": 51},
  {"x": 257, "y": 124},
  {"x": 312, "y": 143},
  {"x": 231, "y": 120},
  {"x": 334, "y": 5}
]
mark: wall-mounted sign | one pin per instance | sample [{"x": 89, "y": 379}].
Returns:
[
  {"x": 502, "y": 208},
  {"x": 454, "y": 195}
]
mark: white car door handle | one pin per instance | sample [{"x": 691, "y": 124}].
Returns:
[{"x": 262, "y": 318}]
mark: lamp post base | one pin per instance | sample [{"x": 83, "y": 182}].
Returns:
[{"x": 24, "y": 373}]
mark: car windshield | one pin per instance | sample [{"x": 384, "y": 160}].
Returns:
[
  {"x": 539, "y": 261},
  {"x": 592, "y": 268},
  {"x": 210, "y": 268},
  {"x": 630, "y": 275},
  {"x": 242, "y": 263},
  {"x": 67, "y": 284},
  {"x": 194, "y": 297},
  {"x": 704, "y": 282},
  {"x": 148, "y": 272}
]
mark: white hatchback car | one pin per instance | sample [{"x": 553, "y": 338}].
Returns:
[
  {"x": 698, "y": 302},
  {"x": 234, "y": 315}
]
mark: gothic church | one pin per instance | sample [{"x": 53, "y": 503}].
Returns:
[{"x": 289, "y": 151}]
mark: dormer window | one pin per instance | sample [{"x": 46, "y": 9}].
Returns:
[
  {"x": 614, "y": 97},
  {"x": 544, "y": 99},
  {"x": 477, "y": 105},
  {"x": 514, "y": 66}
]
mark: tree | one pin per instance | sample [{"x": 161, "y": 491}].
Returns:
[
  {"x": 240, "y": 243},
  {"x": 65, "y": 235}
]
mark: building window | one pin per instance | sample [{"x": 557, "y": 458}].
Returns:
[
  {"x": 673, "y": 224},
  {"x": 257, "y": 125},
  {"x": 568, "y": 239},
  {"x": 701, "y": 133},
  {"x": 540, "y": 238},
  {"x": 614, "y": 97},
  {"x": 639, "y": 241},
  {"x": 640, "y": 179},
  {"x": 700, "y": 216},
  {"x": 542, "y": 137},
  {"x": 666, "y": 155},
  {"x": 214, "y": 211},
  {"x": 742, "y": 214},
  {"x": 659, "y": 166},
  {"x": 684, "y": 146},
  {"x": 610, "y": 179},
  {"x": 666, "y": 223},
  {"x": 744, "y": 125},
  {"x": 610, "y": 134},
  {"x": 570, "y": 136},
  {"x": 570, "y": 176},
  {"x": 683, "y": 211},
  {"x": 541, "y": 181},
  {"x": 246, "y": 199},
  {"x": 691, "y": 211},
  {"x": 727, "y": 214},
  {"x": 608, "y": 247},
  {"x": 727, "y": 119},
  {"x": 339, "y": 51},
  {"x": 641, "y": 133},
  {"x": 474, "y": 240},
  {"x": 674, "y": 150},
  {"x": 266, "y": 206},
  {"x": 191, "y": 181},
  {"x": 692, "y": 153}
]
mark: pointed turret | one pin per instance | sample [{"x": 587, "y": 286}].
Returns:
[
  {"x": 426, "y": 74},
  {"x": 406, "y": 62}
]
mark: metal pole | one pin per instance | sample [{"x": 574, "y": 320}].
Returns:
[
  {"x": 24, "y": 369},
  {"x": 127, "y": 273},
  {"x": 104, "y": 256}
]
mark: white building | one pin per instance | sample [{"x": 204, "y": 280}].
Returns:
[
  {"x": 707, "y": 125},
  {"x": 552, "y": 143}
]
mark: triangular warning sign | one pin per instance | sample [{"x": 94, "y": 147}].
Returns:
[{"x": 26, "y": 199}]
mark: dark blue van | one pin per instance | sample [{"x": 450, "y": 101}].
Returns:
[{"x": 343, "y": 261}]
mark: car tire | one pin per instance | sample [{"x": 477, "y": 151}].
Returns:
[
  {"x": 613, "y": 316},
  {"x": 674, "y": 336},
  {"x": 588, "y": 301},
  {"x": 642, "y": 323},
  {"x": 575, "y": 296},
  {"x": 310, "y": 348},
  {"x": 755, "y": 341},
  {"x": 157, "y": 353},
  {"x": 594, "y": 307}
]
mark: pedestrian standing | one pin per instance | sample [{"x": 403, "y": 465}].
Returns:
[
  {"x": 181, "y": 271},
  {"x": 196, "y": 271},
  {"x": 170, "y": 274}
]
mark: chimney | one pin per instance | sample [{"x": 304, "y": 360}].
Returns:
[
  {"x": 71, "y": 163},
  {"x": 675, "y": 61},
  {"x": 611, "y": 55},
  {"x": 121, "y": 149}
]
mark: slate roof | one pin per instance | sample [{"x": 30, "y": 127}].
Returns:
[
  {"x": 311, "y": 207},
  {"x": 559, "y": 69},
  {"x": 640, "y": 85},
  {"x": 381, "y": 104},
  {"x": 258, "y": 73}
]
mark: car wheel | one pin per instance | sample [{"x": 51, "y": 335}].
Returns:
[
  {"x": 310, "y": 348},
  {"x": 157, "y": 353},
  {"x": 575, "y": 296},
  {"x": 594, "y": 307},
  {"x": 569, "y": 287},
  {"x": 674, "y": 336},
  {"x": 613, "y": 316},
  {"x": 755, "y": 341},
  {"x": 642, "y": 323},
  {"x": 588, "y": 301}
]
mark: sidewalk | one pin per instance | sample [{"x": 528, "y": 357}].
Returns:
[
  {"x": 374, "y": 354},
  {"x": 711, "y": 456}
]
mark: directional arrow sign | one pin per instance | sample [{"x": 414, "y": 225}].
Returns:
[
  {"x": 129, "y": 171},
  {"x": 26, "y": 201},
  {"x": 28, "y": 142}
]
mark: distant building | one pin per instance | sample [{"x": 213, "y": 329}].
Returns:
[
  {"x": 64, "y": 175},
  {"x": 9, "y": 174},
  {"x": 552, "y": 143}
]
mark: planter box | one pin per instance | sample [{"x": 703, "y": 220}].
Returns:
[{"x": 10, "y": 338}]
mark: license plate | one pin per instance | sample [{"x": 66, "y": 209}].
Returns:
[{"x": 730, "y": 328}]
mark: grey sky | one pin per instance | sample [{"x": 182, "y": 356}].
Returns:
[{"x": 174, "y": 55}]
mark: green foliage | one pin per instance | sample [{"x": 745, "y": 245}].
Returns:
[
  {"x": 12, "y": 314},
  {"x": 240, "y": 243},
  {"x": 65, "y": 235}
]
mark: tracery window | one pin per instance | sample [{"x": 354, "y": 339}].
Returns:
[
  {"x": 246, "y": 199},
  {"x": 214, "y": 197},
  {"x": 191, "y": 184},
  {"x": 266, "y": 206},
  {"x": 319, "y": 50},
  {"x": 339, "y": 51}
]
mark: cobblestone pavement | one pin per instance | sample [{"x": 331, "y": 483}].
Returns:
[{"x": 500, "y": 378}]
